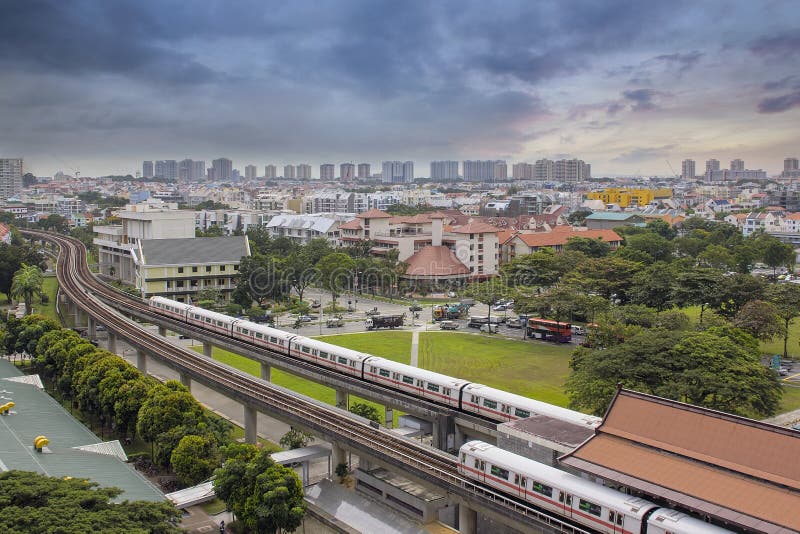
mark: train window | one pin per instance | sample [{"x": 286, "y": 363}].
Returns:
[
  {"x": 590, "y": 507},
  {"x": 396, "y": 376},
  {"x": 463, "y": 457},
  {"x": 323, "y": 354},
  {"x": 524, "y": 482},
  {"x": 612, "y": 516},
  {"x": 565, "y": 498},
  {"x": 500, "y": 472},
  {"x": 433, "y": 387},
  {"x": 259, "y": 335},
  {"x": 522, "y": 413},
  {"x": 544, "y": 489},
  {"x": 490, "y": 404},
  {"x": 506, "y": 408},
  {"x": 373, "y": 369},
  {"x": 477, "y": 464},
  {"x": 384, "y": 372},
  {"x": 447, "y": 391},
  {"x": 273, "y": 339},
  {"x": 474, "y": 398},
  {"x": 343, "y": 360},
  {"x": 620, "y": 518},
  {"x": 419, "y": 383},
  {"x": 305, "y": 349},
  {"x": 314, "y": 352},
  {"x": 245, "y": 332},
  {"x": 516, "y": 479},
  {"x": 408, "y": 379}
]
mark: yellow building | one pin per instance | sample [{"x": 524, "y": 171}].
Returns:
[{"x": 629, "y": 197}]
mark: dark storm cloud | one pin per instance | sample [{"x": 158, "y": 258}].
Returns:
[
  {"x": 638, "y": 155},
  {"x": 641, "y": 99},
  {"x": 784, "y": 46},
  {"x": 778, "y": 104}
]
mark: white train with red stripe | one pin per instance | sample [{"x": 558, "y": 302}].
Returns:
[
  {"x": 458, "y": 393},
  {"x": 591, "y": 505}
]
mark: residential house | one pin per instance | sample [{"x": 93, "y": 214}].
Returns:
[{"x": 517, "y": 244}]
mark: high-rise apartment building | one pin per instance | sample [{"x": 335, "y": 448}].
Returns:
[
  {"x": 270, "y": 172},
  {"x": 327, "y": 172},
  {"x": 223, "y": 169},
  {"x": 10, "y": 177},
  {"x": 711, "y": 166},
  {"x": 198, "y": 169},
  {"x": 304, "y": 171},
  {"x": 186, "y": 170},
  {"x": 571, "y": 170},
  {"x": 397, "y": 172},
  {"x": 166, "y": 168},
  {"x": 791, "y": 164},
  {"x": 363, "y": 171},
  {"x": 347, "y": 171},
  {"x": 543, "y": 170},
  {"x": 444, "y": 170},
  {"x": 478, "y": 171},
  {"x": 250, "y": 172},
  {"x": 688, "y": 169},
  {"x": 289, "y": 172},
  {"x": 522, "y": 171},
  {"x": 737, "y": 165},
  {"x": 147, "y": 169},
  {"x": 500, "y": 171}
]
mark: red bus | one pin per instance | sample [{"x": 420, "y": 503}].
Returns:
[{"x": 548, "y": 330}]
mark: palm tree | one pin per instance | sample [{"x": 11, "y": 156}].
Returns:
[{"x": 26, "y": 284}]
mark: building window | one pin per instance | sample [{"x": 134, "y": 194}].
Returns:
[
  {"x": 236, "y": 267},
  {"x": 222, "y": 268},
  {"x": 208, "y": 268},
  {"x": 179, "y": 283},
  {"x": 194, "y": 269},
  {"x": 180, "y": 270}
]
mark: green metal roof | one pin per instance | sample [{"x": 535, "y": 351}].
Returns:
[
  {"x": 37, "y": 414},
  {"x": 610, "y": 216}
]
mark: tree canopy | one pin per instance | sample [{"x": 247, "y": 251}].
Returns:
[{"x": 76, "y": 506}]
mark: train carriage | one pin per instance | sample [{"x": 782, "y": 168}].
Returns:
[
  {"x": 666, "y": 521},
  {"x": 502, "y": 405},
  {"x": 264, "y": 336},
  {"x": 217, "y": 322},
  {"x": 419, "y": 382},
  {"x": 597, "y": 507},
  {"x": 344, "y": 360},
  {"x": 169, "y": 307}
]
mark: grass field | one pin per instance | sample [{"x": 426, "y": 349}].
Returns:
[
  {"x": 530, "y": 368},
  {"x": 391, "y": 345}
]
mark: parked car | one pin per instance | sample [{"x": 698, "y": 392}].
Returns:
[
  {"x": 500, "y": 307},
  {"x": 489, "y": 328},
  {"x": 305, "y": 318},
  {"x": 336, "y": 322},
  {"x": 415, "y": 307},
  {"x": 449, "y": 325}
]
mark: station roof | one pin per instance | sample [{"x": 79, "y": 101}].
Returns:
[
  {"x": 737, "y": 470},
  {"x": 37, "y": 414}
]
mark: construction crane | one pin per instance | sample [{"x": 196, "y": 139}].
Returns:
[{"x": 675, "y": 174}]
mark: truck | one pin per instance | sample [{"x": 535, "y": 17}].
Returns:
[
  {"x": 384, "y": 321},
  {"x": 446, "y": 312},
  {"x": 448, "y": 325},
  {"x": 476, "y": 321},
  {"x": 335, "y": 322}
]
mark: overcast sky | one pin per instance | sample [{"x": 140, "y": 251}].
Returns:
[{"x": 626, "y": 86}]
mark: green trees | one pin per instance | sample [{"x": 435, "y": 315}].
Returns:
[
  {"x": 194, "y": 459},
  {"x": 719, "y": 368},
  {"x": 336, "y": 272},
  {"x": 265, "y": 496},
  {"x": 76, "y": 506},
  {"x": 295, "y": 439},
  {"x": 26, "y": 284},
  {"x": 786, "y": 298},
  {"x": 367, "y": 411}
]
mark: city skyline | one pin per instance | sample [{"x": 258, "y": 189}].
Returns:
[{"x": 630, "y": 88}]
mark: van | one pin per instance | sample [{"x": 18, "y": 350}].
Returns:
[
  {"x": 578, "y": 330},
  {"x": 489, "y": 328}
]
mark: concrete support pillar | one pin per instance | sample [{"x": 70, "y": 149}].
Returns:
[
  {"x": 444, "y": 432},
  {"x": 337, "y": 457},
  {"x": 342, "y": 399},
  {"x": 250, "y": 425},
  {"x": 389, "y": 417},
  {"x": 91, "y": 327},
  {"x": 79, "y": 314},
  {"x": 162, "y": 331},
  {"x": 467, "y": 519},
  {"x": 459, "y": 437},
  {"x": 207, "y": 348},
  {"x": 112, "y": 342},
  {"x": 141, "y": 361},
  {"x": 186, "y": 380},
  {"x": 266, "y": 372}
]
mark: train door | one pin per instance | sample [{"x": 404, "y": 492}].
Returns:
[
  {"x": 521, "y": 483},
  {"x": 565, "y": 502},
  {"x": 616, "y": 520}
]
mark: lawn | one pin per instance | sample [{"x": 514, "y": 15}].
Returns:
[
  {"x": 531, "y": 368},
  {"x": 391, "y": 345},
  {"x": 49, "y": 287}
]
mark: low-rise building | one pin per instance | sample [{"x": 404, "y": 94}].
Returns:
[
  {"x": 523, "y": 243},
  {"x": 604, "y": 220},
  {"x": 303, "y": 228}
]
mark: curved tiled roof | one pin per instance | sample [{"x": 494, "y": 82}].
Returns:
[{"x": 435, "y": 261}]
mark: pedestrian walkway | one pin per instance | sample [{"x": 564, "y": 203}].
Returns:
[{"x": 415, "y": 344}]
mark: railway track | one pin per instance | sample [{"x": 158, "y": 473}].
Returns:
[{"x": 74, "y": 275}]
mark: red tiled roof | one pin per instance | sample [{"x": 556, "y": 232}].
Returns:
[
  {"x": 355, "y": 224},
  {"x": 4, "y": 230},
  {"x": 435, "y": 261},
  {"x": 505, "y": 236},
  {"x": 476, "y": 228},
  {"x": 561, "y": 234},
  {"x": 739, "y": 470},
  {"x": 412, "y": 219},
  {"x": 373, "y": 214}
]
